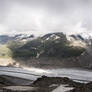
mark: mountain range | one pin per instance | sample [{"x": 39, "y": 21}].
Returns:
[
  {"x": 83, "y": 37},
  {"x": 56, "y": 48}
]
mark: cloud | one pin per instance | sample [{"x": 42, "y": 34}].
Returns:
[{"x": 44, "y": 16}]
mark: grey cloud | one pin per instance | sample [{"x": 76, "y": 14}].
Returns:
[{"x": 41, "y": 16}]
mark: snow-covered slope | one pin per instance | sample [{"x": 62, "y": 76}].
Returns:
[
  {"x": 82, "y": 39},
  {"x": 23, "y": 37}
]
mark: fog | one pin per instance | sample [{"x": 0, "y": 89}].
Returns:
[{"x": 44, "y": 16}]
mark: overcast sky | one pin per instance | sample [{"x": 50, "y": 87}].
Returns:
[{"x": 43, "y": 16}]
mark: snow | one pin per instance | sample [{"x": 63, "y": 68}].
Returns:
[{"x": 62, "y": 88}]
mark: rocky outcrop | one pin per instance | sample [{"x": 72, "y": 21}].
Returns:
[
  {"x": 43, "y": 84},
  {"x": 48, "y": 81}
]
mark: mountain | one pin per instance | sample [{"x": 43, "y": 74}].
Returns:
[
  {"x": 51, "y": 49},
  {"x": 53, "y": 36},
  {"x": 49, "y": 45},
  {"x": 22, "y": 37},
  {"x": 82, "y": 38}
]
